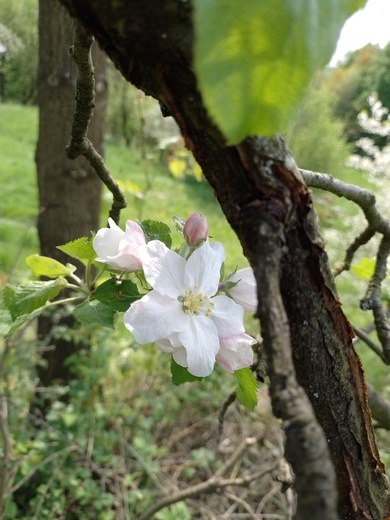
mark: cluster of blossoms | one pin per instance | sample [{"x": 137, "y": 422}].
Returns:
[
  {"x": 375, "y": 160},
  {"x": 188, "y": 312}
]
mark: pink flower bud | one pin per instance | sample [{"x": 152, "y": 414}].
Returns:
[{"x": 195, "y": 229}]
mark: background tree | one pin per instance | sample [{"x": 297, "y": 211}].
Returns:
[
  {"x": 69, "y": 191},
  {"x": 267, "y": 204}
]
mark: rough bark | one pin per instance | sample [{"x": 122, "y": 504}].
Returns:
[
  {"x": 69, "y": 191},
  {"x": 266, "y": 202}
]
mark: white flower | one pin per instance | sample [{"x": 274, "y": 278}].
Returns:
[
  {"x": 236, "y": 352},
  {"x": 244, "y": 292},
  {"x": 120, "y": 249},
  {"x": 181, "y": 313}
]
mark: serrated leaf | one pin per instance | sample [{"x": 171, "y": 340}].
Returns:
[
  {"x": 254, "y": 59},
  {"x": 45, "y": 266},
  {"x": 30, "y": 296},
  {"x": 94, "y": 312},
  {"x": 364, "y": 268},
  {"x": 155, "y": 230},
  {"x": 118, "y": 294},
  {"x": 81, "y": 249},
  {"x": 246, "y": 388},
  {"x": 8, "y": 327},
  {"x": 181, "y": 375}
]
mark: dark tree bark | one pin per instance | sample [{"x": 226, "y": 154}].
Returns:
[
  {"x": 306, "y": 335},
  {"x": 69, "y": 191}
]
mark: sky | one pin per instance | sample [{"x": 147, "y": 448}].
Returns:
[{"x": 368, "y": 25}]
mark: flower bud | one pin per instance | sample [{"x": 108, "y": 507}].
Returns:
[{"x": 195, "y": 229}]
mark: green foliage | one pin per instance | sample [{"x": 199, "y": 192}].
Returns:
[
  {"x": 30, "y": 296},
  {"x": 80, "y": 248},
  {"x": 117, "y": 294},
  {"x": 45, "y": 266},
  {"x": 254, "y": 59},
  {"x": 246, "y": 388},
  {"x": 157, "y": 231},
  {"x": 181, "y": 375},
  {"x": 95, "y": 313},
  {"x": 364, "y": 268},
  {"x": 19, "y": 69},
  {"x": 316, "y": 135}
]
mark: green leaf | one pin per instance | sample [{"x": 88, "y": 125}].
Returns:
[
  {"x": 155, "y": 230},
  {"x": 30, "y": 296},
  {"x": 364, "y": 268},
  {"x": 81, "y": 249},
  {"x": 95, "y": 313},
  {"x": 118, "y": 294},
  {"x": 247, "y": 388},
  {"x": 45, "y": 266},
  {"x": 181, "y": 375},
  {"x": 8, "y": 327},
  {"x": 254, "y": 59}
]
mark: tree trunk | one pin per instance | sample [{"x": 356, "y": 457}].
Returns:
[
  {"x": 266, "y": 202},
  {"x": 69, "y": 191}
]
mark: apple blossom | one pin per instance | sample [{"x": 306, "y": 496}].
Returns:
[
  {"x": 195, "y": 229},
  {"x": 120, "y": 249},
  {"x": 182, "y": 314},
  {"x": 241, "y": 287},
  {"x": 235, "y": 352}
]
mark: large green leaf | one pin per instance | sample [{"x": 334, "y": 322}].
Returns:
[
  {"x": 254, "y": 58},
  {"x": 46, "y": 266},
  {"x": 31, "y": 296}
]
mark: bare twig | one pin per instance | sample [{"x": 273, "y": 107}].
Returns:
[
  {"x": 376, "y": 223},
  {"x": 216, "y": 481},
  {"x": 361, "y": 334},
  {"x": 85, "y": 94}
]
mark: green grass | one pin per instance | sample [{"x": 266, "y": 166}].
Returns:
[{"x": 164, "y": 198}]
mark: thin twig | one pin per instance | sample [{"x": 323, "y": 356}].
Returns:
[
  {"x": 361, "y": 334},
  {"x": 216, "y": 481},
  {"x": 85, "y": 94},
  {"x": 376, "y": 223}
]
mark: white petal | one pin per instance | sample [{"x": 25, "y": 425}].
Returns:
[
  {"x": 106, "y": 241},
  {"x": 169, "y": 344},
  {"x": 164, "y": 269},
  {"x": 227, "y": 316},
  {"x": 245, "y": 292},
  {"x": 201, "y": 342},
  {"x": 180, "y": 356},
  {"x": 236, "y": 352},
  {"x": 133, "y": 235},
  {"x": 155, "y": 317},
  {"x": 204, "y": 266}
]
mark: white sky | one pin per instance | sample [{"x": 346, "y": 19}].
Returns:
[{"x": 368, "y": 25}]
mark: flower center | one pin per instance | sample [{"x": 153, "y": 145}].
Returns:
[{"x": 194, "y": 302}]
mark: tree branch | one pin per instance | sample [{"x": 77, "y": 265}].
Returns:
[
  {"x": 375, "y": 224},
  {"x": 85, "y": 94}
]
